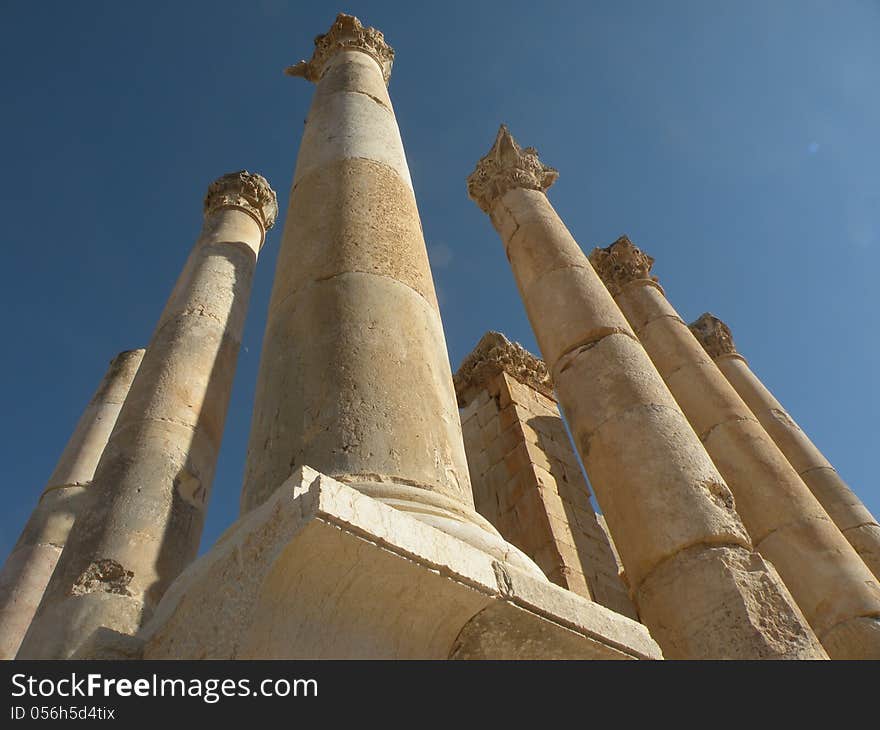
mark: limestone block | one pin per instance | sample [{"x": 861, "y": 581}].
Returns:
[
  {"x": 320, "y": 570},
  {"x": 690, "y": 621}
]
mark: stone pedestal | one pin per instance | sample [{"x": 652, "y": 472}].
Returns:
[
  {"x": 831, "y": 585},
  {"x": 698, "y": 584},
  {"x": 321, "y": 571},
  {"x": 354, "y": 376},
  {"x": 850, "y": 515},
  {"x": 30, "y": 564},
  {"x": 152, "y": 483},
  {"x": 526, "y": 477}
]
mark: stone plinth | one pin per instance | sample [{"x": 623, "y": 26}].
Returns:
[
  {"x": 152, "y": 484},
  {"x": 849, "y": 513},
  {"x": 320, "y": 570},
  {"x": 788, "y": 526},
  {"x": 526, "y": 477},
  {"x": 697, "y": 582},
  {"x": 33, "y": 558}
]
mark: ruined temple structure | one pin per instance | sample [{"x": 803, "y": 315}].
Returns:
[{"x": 391, "y": 509}]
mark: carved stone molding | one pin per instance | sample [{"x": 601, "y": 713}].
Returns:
[
  {"x": 713, "y": 335},
  {"x": 505, "y": 167},
  {"x": 346, "y": 32},
  {"x": 495, "y": 354},
  {"x": 245, "y": 190},
  {"x": 621, "y": 263}
]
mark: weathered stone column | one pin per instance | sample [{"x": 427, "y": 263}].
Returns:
[
  {"x": 354, "y": 377},
  {"x": 151, "y": 486},
  {"x": 30, "y": 564},
  {"x": 699, "y": 586},
  {"x": 831, "y": 585},
  {"x": 850, "y": 515}
]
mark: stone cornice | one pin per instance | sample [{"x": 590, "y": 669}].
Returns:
[
  {"x": 505, "y": 167},
  {"x": 620, "y": 264},
  {"x": 714, "y": 336},
  {"x": 346, "y": 32},
  {"x": 496, "y": 354},
  {"x": 245, "y": 190}
]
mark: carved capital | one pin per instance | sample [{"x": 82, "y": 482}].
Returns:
[
  {"x": 496, "y": 354},
  {"x": 713, "y": 335},
  {"x": 346, "y": 32},
  {"x": 245, "y": 190},
  {"x": 621, "y": 263},
  {"x": 507, "y": 166}
]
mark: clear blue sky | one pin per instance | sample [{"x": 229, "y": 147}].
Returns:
[{"x": 736, "y": 142}]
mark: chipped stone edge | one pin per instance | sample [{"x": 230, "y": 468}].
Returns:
[{"x": 319, "y": 497}]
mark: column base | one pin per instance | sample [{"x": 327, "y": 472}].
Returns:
[
  {"x": 322, "y": 571},
  {"x": 448, "y": 516}
]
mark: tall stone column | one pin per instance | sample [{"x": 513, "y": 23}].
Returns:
[
  {"x": 850, "y": 515},
  {"x": 354, "y": 377},
  {"x": 151, "y": 486},
  {"x": 30, "y": 564},
  {"x": 831, "y": 585},
  {"x": 699, "y": 586}
]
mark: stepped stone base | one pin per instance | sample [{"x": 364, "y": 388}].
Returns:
[{"x": 321, "y": 571}]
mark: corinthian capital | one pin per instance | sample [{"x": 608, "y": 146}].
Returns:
[
  {"x": 245, "y": 190},
  {"x": 507, "y": 166},
  {"x": 713, "y": 335},
  {"x": 495, "y": 354},
  {"x": 621, "y": 263},
  {"x": 347, "y": 32}
]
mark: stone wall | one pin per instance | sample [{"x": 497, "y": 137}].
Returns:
[{"x": 526, "y": 478}]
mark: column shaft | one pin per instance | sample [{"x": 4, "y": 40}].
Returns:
[
  {"x": 852, "y": 518},
  {"x": 33, "y": 558},
  {"x": 788, "y": 526},
  {"x": 698, "y": 584},
  {"x": 152, "y": 483},
  {"x": 354, "y": 376}
]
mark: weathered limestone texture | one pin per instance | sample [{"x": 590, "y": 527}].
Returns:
[
  {"x": 525, "y": 474},
  {"x": 698, "y": 585},
  {"x": 832, "y": 586},
  {"x": 354, "y": 376},
  {"x": 850, "y": 515},
  {"x": 30, "y": 564},
  {"x": 321, "y": 571},
  {"x": 152, "y": 483}
]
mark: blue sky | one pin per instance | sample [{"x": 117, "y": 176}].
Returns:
[{"x": 735, "y": 142}]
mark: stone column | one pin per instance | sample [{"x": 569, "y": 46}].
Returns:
[
  {"x": 526, "y": 477},
  {"x": 354, "y": 376},
  {"x": 699, "y": 586},
  {"x": 850, "y": 515},
  {"x": 30, "y": 564},
  {"x": 831, "y": 585},
  {"x": 152, "y": 483}
]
